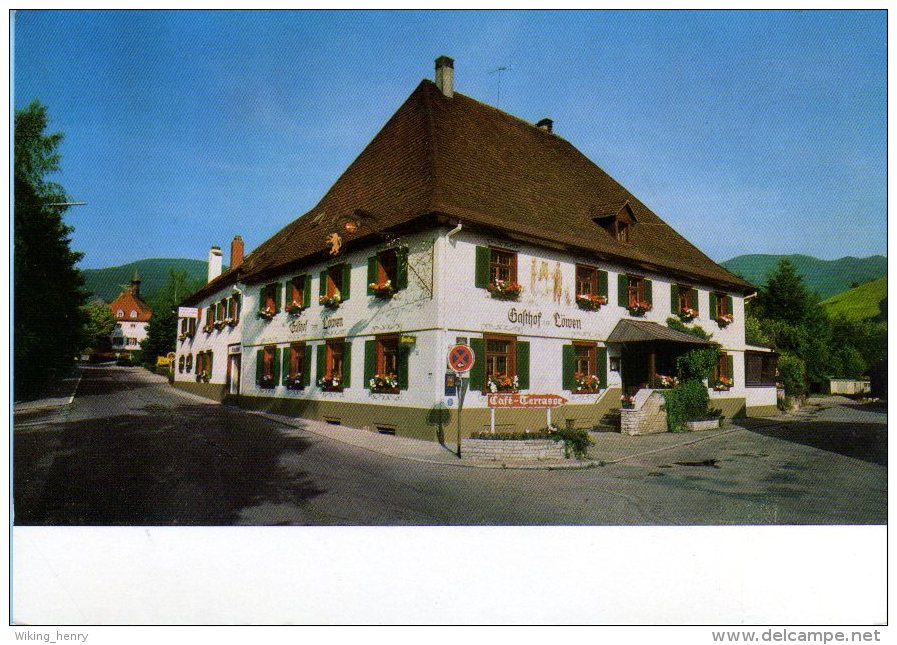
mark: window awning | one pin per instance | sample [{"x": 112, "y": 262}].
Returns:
[{"x": 640, "y": 331}]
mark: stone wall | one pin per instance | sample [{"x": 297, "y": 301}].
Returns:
[
  {"x": 511, "y": 450},
  {"x": 647, "y": 417}
]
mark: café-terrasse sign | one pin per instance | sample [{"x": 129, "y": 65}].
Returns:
[
  {"x": 509, "y": 400},
  {"x": 534, "y": 319}
]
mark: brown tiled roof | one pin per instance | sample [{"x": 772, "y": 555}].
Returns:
[
  {"x": 128, "y": 302},
  {"x": 443, "y": 160},
  {"x": 637, "y": 331}
]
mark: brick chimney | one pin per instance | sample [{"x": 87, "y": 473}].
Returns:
[
  {"x": 545, "y": 124},
  {"x": 236, "y": 252},
  {"x": 214, "y": 262},
  {"x": 445, "y": 73}
]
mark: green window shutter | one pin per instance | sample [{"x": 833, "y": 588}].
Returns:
[
  {"x": 276, "y": 365},
  {"x": 287, "y": 293},
  {"x": 601, "y": 360},
  {"x": 370, "y": 361},
  {"x": 478, "y": 372},
  {"x": 346, "y": 281},
  {"x": 602, "y": 283},
  {"x": 404, "y": 352},
  {"x": 713, "y": 307},
  {"x": 285, "y": 365},
  {"x": 259, "y": 365},
  {"x": 209, "y": 364},
  {"x": 306, "y": 365},
  {"x": 278, "y": 296},
  {"x": 568, "y": 365},
  {"x": 623, "y": 290},
  {"x": 322, "y": 287},
  {"x": 731, "y": 365},
  {"x": 322, "y": 360},
  {"x": 402, "y": 268},
  {"x": 306, "y": 291},
  {"x": 649, "y": 298},
  {"x": 674, "y": 298},
  {"x": 729, "y": 302},
  {"x": 262, "y": 298},
  {"x": 347, "y": 363},
  {"x": 695, "y": 300},
  {"x": 481, "y": 276},
  {"x": 523, "y": 365},
  {"x": 239, "y": 301},
  {"x": 373, "y": 266}
]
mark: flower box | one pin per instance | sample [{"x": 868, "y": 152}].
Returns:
[
  {"x": 501, "y": 290},
  {"x": 330, "y": 302},
  {"x": 586, "y": 383},
  {"x": 208, "y": 328},
  {"x": 687, "y": 315},
  {"x": 666, "y": 382},
  {"x": 725, "y": 320},
  {"x": 267, "y": 313},
  {"x": 295, "y": 383},
  {"x": 704, "y": 424},
  {"x": 294, "y": 308},
  {"x": 723, "y": 385},
  {"x": 231, "y": 322},
  {"x": 383, "y": 290},
  {"x": 219, "y": 324},
  {"x": 267, "y": 382},
  {"x": 589, "y": 302},
  {"x": 639, "y": 309},
  {"x": 331, "y": 383},
  {"x": 502, "y": 383},
  {"x": 384, "y": 383}
]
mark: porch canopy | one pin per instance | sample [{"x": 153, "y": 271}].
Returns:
[
  {"x": 636, "y": 331},
  {"x": 648, "y": 351}
]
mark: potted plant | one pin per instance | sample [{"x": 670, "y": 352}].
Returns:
[
  {"x": 724, "y": 384},
  {"x": 627, "y": 402},
  {"x": 330, "y": 302},
  {"x": 687, "y": 315},
  {"x": 504, "y": 290},
  {"x": 590, "y": 302},
  {"x": 586, "y": 383},
  {"x": 294, "y": 308},
  {"x": 267, "y": 381},
  {"x": 502, "y": 383},
  {"x": 666, "y": 382},
  {"x": 639, "y": 308},
  {"x": 267, "y": 312},
  {"x": 384, "y": 383},
  {"x": 724, "y": 320},
  {"x": 383, "y": 290}
]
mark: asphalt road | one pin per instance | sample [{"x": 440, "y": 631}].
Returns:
[{"x": 130, "y": 450}]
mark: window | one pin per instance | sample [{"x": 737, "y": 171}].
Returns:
[
  {"x": 760, "y": 369},
  {"x": 133, "y": 313},
  {"x": 500, "y": 364},
  {"x": 189, "y": 363},
  {"x": 722, "y": 305},
  {"x": 635, "y": 291},
  {"x": 723, "y": 373},
  {"x": 334, "y": 364},
  {"x": 387, "y": 363},
  {"x": 386, "y": 270},
  {"x": 233, "y": 307},
  {"x": 267, "y": 371},
  {"x": 688, "y": 298},
  {"x": 181, "y": 363},
  {"x": 296, "y": 376},
  {"x": 585, "y": 359},
  {"x": 334, "y": 280},
  {"x": 297, "y": 290},
  {"x": 502, "y": 266},
  {"x": 586, "y": 280},
  {"x": 120, "y": 314},
  {"x": 617, "y": 226}
]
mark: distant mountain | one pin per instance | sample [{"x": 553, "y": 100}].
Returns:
[
  {"x": 859, "y": 303},
  {"x": 826, "y": 277},
  {"x": 109, "y": 282}
]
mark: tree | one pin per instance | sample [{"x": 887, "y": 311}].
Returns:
[
  {"x": 98, "y": 326},
  {"x": 784, "y": 297},
  {"x": 48, "y": 295},
  {"x": 162, "y": 330}
]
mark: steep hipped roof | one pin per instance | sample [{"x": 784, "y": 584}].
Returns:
[{"x": 456, "y": 159}]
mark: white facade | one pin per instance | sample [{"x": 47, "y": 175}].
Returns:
[{"x": 440, "y": 305}]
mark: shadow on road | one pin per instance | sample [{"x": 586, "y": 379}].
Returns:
[
  {"x": 866, "y": 441},
  {"x": 179, "y": 465}
]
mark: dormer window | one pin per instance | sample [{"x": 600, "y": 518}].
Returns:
[
  {"x": 133, "y": 313},
  {"x": 617, "y": 220},
  {"x": 120, "y": 314}
]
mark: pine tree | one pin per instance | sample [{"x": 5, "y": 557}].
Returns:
[{"x": 48, "y": 294}]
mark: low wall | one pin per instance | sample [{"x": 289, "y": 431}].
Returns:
[
  {"x": 849, "y": 386},
  {"x": 648, "y": 417},
  {"x": 511, "y": 450},
  {"x": 214, "y": 391}
]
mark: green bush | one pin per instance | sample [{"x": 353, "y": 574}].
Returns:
[
  {"x": 793, "y": 375},
  {"x": 576, "y": 442},
  {"x": 697, "y": 364},
  {"x": 687, "y": 402},
  {"x": 510, "y": 436}
]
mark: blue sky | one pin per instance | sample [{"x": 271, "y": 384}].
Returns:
[{"x": 753, "y": 132}]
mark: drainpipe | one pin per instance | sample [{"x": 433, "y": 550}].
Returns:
[{"x": 454, "y": 231}]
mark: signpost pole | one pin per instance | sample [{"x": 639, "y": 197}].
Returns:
[
  {"x": 492, "y": 420},
  {"x": 462, "y": 390},
  {"x": 549, "y": 416}
]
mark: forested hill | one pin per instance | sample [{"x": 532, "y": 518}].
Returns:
[{"x": 107, "y": 283}]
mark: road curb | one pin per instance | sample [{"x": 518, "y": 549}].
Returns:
[{"x": 678, "y": 445}]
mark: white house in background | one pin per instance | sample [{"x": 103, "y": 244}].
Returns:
[
  {"x": 460, "y": 223},
  {"x": 132, "y": 316}
]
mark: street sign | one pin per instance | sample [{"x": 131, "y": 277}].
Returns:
[
  {"x": 187, "y": 312},
  {"x": 524, "y": 400},
  {"x": 460, "y": 358}
]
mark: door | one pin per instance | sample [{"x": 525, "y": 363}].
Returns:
[{"x": 233, "y": 374}]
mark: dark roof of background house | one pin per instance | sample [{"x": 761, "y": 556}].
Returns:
[{"x": 456, "y": 159}]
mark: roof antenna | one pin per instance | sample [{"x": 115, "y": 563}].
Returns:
[{"x": 499, "y": 71}]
